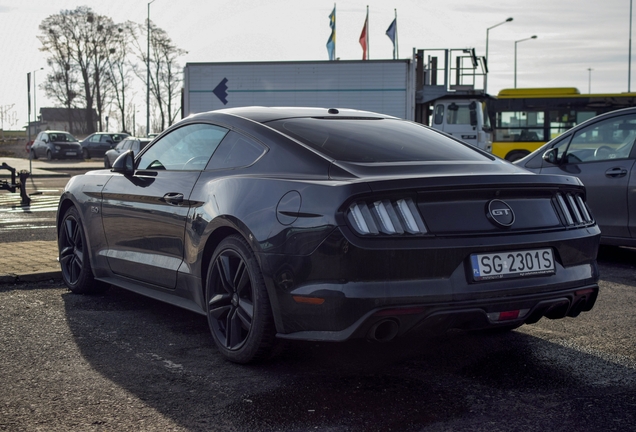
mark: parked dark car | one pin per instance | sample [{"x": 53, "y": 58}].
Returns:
[
  {"x": 97, "y": 144},
  {"x": 129, "y": 143},
  {"x": 601, "y": 153},
  {"x": 327, "y": 225},
  {"x": 55, "y": 145}
]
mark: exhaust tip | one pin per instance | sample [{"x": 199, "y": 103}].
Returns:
[
  {"x": 383, "y": 331},
  {"x": 577, "y": 308}
]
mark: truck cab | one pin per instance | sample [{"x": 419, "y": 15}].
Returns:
[{"x": 465, "y": 119}]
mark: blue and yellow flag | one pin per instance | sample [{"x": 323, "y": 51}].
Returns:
[{"x": 331, "y": 42}]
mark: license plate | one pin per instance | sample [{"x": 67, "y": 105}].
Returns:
[
  {"x": 503, "y": 265},
  {"x": 71, "y": 153}
]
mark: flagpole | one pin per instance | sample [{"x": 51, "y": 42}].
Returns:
[
  {"x": 368, "y": 44},
  {"x": 396, "y": 54}
]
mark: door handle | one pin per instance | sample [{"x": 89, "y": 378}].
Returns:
[
  {"x": 616, "y": 172},
  {"x": 173, "y": 198}
]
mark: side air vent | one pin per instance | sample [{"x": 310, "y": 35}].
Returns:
[
  {"x": 573, "y": 209},
  {"x": 387, "y": 217}
]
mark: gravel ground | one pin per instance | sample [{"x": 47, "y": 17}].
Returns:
[{"x": 119, "y": 361}]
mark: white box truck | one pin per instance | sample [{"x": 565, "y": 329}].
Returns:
[
  {"x": 405, "y": 88},
  {"x": 383, "y": 86}
]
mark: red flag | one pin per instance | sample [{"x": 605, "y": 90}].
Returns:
[{"x": 364, "y": 37}]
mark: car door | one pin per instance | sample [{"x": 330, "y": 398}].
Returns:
[
  {"x": 144, "y": 215},
  {"x": 602, "y": 155},
  {"x": 40, "y": 144}
]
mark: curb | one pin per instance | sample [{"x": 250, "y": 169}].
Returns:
[{"x": 30, "y": 277}]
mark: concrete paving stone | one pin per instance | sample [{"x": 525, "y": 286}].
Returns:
[{"x": 39, "y": 261}]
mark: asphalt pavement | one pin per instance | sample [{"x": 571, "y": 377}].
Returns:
[{"x": 42, "y": 262}]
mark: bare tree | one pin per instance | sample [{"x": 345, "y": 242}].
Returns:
[
  {"x": 120, "y": 70},
  {"x": 61, "y": 83},
  {"x": 165, "y": 72},
  {"x": 79, "y": 42}
]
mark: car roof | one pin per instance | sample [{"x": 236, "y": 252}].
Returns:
[{"x": 266, "y": 114}]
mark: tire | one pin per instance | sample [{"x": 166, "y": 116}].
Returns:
[
  {"x": 49, "y": 156},
  {"x": 85, "y": 153},
  {"x": 74, "y": 256},
  {"x": 33, "y": 155},
  {"x": 516, "y": 155},
  {"x": 238, "y": 308},
  {"x": 106, "y": 162}
]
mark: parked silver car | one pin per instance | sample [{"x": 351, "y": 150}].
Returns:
[
  {"x": 130, "y": 143},
  {"x": 601, "y": 153}
]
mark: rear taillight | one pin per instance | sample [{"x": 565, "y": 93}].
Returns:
[
  {"x": 388, "y": 217},
  {"x": 573, "y": 209}
]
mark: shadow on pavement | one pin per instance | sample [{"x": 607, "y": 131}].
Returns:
[{"x": 165, "y": 357}]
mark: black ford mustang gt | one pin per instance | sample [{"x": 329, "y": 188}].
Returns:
[{"x": 316, "y": 224}]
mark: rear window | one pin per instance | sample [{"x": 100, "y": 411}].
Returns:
[{"x": 375, "y": 140}]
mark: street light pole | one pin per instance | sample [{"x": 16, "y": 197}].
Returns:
[
  {"x": 629, "y": 61},
  {"x": 35, "y": 92},
  {"x": 487, "y": 36},
  {"x": 516, "y": 42},
  {"x": 589, "y": 80},
  {"x": 148, "y": 73}
]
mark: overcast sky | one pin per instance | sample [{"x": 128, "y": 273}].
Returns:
[{"x": 573, "y": 36}]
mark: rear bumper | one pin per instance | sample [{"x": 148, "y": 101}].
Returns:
[
  {"x": 342, "y": 291},
  {"x": 423, "y": 318}
]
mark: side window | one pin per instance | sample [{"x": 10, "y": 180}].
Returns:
[
  {"x": 608, "y": 139},
  {"x": 127, "y": 144},
  {"x": 235, "y": 151},
  {"x": 94, "y": 138},
  {"x": 120, "y": 146},
  {"x": 439, "y": 114},
  {"x": 562, "y": 145},
  {"x": 186, "y": 148},
  {"x": 106, "y": 138}
]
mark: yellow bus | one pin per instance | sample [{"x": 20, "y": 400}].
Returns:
[{"x": 524, "y": 119}]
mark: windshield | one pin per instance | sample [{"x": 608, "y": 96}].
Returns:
[
  {"x": 61, "y": 137},
  {"x": 375, "y": 140}
]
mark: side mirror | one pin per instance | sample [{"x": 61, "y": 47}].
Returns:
[
  {"x": 473, "y": 113},
  {"x": 125, "y": 163},
  {"x": 552, "y": 156}
]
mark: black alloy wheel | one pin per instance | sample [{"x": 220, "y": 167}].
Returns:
[
  {"x": 238, "y": 307},
  {"x": 74, "y": 260}
]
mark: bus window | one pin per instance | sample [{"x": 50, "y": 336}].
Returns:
[
  {"x": 560, "y": 121},
  {"x": 581, "y": 116},
  {"x": 520, "y": 126}
]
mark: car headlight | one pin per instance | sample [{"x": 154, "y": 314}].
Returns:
[{"x": 391, "y": 217}]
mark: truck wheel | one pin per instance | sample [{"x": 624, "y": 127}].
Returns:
[
  {"x": 238, "y": 308},
  {"x": 74, "y": 256}
]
